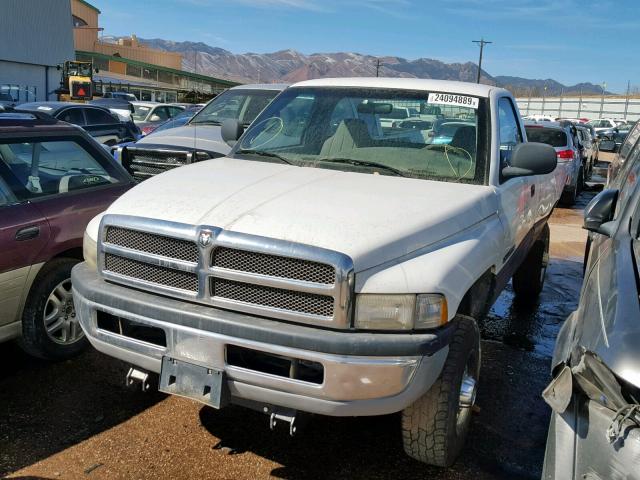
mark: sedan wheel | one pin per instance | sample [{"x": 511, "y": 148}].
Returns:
[{"x": 60, "y": 321}]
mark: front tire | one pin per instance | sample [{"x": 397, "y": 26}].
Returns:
[
  {"x": 435, "y": 426},
  {"x": 529, "y": 277},
  {"x": 50, "y": 327}
]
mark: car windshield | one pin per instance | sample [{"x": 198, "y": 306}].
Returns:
[
  {"x": 241, "y": 105},
  {"x": 140, "y": 112},
  {"x": 551, "y": 136},
  {"x": 355, "y": 129}
]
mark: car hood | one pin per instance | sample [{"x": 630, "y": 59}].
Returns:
[
  {"x": 371, "y": 218},
  {"x": 204, "y": 137}
]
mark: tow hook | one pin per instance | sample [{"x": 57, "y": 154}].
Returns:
[
  {"x": 134, "y": 376},
  {"x": 284, "y": 415}
]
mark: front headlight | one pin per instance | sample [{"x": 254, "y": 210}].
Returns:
[
  {"x": 90, "y": 251},
  {"x": 400, "y": 312}
]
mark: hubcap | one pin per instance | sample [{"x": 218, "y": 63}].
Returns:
[
  {"x": 467, "y": 398},
  {"x": 60, "y": 321}
]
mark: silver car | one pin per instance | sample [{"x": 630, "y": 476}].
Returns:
[{"x": 595, "y": 394}]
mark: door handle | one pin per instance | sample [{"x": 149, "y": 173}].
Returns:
[
  {"x": 533, "y": 190},
  {"x": 27, "y": 233}
]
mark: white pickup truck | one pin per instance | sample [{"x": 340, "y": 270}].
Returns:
[{"x": 329, "y": 264}]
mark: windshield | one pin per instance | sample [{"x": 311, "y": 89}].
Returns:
[
  {"x": 241, "y": 105},
  {"x": 357, "y": 129},
  {"x": 140, "y": 112}
]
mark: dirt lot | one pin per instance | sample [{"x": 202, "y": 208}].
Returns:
[{"x": 77, "y": 420}]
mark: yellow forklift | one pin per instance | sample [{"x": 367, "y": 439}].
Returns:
[{"x": 76, "y": 83}]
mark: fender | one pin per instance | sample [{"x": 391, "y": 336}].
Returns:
[{"x": 450, "y": 267}]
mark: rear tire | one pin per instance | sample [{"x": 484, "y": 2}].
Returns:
[
  {"x": 50, "y": 328},
  {"x": 435, "y": 426},
  {"x": 529, "y": 277}
]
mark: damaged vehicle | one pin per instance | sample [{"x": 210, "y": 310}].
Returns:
[
  {"x": 329, "y": 264},
  {"x": 595, "y": 394}
]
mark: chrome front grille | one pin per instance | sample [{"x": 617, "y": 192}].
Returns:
[
  {"x": 168, "y": 277},
  {"x": 256, "y": 275},
  {"x": 281, "y": 299},
  {"x": 143, "y": 163},
  {"x": 273, "y": 265},
  {"x": 153, "y": 243}
]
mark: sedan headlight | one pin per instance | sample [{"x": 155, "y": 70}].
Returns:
[
  {"x": 90, "y": 251},
  {"x": 400, "y": 312}
]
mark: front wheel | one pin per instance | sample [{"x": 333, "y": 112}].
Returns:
[
  {"x": 529, "y": 277},
  {"x": 50, "y": 327},
  {"x": 435, "y": 426}
]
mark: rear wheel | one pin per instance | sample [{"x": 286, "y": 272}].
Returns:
[
  {"x": 529, "y": 278},
  {"x": 435, "y": 426},
  {"x": 50, "y": 327}
]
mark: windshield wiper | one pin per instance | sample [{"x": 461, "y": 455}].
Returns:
[
  {"x": 262, "y": 153},
  {"x": 365, "y": 163}
]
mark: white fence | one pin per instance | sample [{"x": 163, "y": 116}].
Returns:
[{"x": 579, "y": 107}]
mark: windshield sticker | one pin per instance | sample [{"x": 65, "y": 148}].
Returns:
[{"x": 451, "y": 99}]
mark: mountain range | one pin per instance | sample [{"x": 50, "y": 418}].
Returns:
[{"x": 292, "y": 66}]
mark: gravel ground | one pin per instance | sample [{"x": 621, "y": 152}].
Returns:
[{"x": 77, "y": 420}]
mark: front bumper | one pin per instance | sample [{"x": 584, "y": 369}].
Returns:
[{"x": 364, "y": 373}]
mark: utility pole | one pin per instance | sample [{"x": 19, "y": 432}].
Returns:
[
  {"x": 482, "y": 42},
  {"x": 378, "y": 65}
]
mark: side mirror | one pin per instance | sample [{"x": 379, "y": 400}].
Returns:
[
  {"x": 231, "y": 130},
  {"x": 608, "y": 146},
  {"x": 599, "y": 212},
  {"x": 531, "y": 158}
]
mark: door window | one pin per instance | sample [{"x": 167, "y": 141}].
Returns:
[
  {"x": 629, "y": 142},
  {"x": 72, "y": 115},
  {"x": 98, "y": 117},
  {"x": 36, "y": 169},
  {"x": 173, "y": 111},
  {"x": 160, "y": 114},
  {"x": 509, "y": 132},
  {"x": 6, "y": 197}
]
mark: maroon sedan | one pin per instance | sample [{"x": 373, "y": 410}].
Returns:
[{"x": 53, "y": 179}]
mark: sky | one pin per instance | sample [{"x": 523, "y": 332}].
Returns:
[{"x": 570, "y": 41}]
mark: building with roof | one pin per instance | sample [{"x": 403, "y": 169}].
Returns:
[
  {"x": 127, "y": 65},
  {"x": 35, "y": 37}
]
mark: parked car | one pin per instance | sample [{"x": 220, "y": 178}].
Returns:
[
  {"x": 539, "y": 118},
  {"x": 606, "y": 128},
  {"x": 595, "y": 394},
  {"x": 130, "y": 97},
  {"x": 569, "y": 157},
  {"x": 153, "y": 113},
  {"x": 588, "y": 148},
  {"x": 200, "y": 139},
  {"x": 622, "y": 132},
  {"x": 121, "y": 108},
  {"x": 178, "y": 121},
  {"x": 53, "y": 179},
  {"x": 98, "y": 121},
  {"x": 291, "y": 274}
]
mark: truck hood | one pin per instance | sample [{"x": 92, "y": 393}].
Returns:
[
  {"x": 371, "y": 218},
  {"x": 204, "y": 137}
]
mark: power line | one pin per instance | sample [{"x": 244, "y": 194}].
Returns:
[{"x": 482, "y": 42}]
